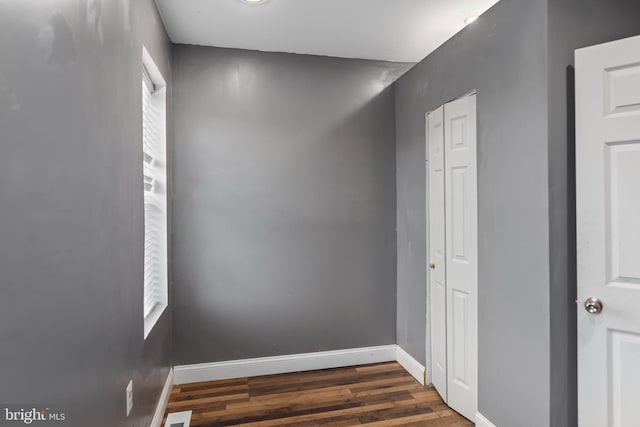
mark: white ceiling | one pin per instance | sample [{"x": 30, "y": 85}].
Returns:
[{"x": 392, "y": 30}]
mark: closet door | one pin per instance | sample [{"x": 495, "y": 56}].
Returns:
[
  {"x": 436, "y": 263},
  {"x": 461, "y": 254}
]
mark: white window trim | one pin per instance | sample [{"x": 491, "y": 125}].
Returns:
[{"x": 151, "y": 74}]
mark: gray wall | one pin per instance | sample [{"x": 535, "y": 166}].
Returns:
[
  {"x": 71, "y": 217},
  {"x": 284, "y": 203},
  {"x": 572, "y": 24},
  {"x": 502, "y": 55}
]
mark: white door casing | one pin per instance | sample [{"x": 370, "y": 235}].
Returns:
[
  {"x": 436, "y": 260},
  {"x": 461, "y": 207},
  {"x": 608, "y": 232}
]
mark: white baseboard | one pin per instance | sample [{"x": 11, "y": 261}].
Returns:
[
  {"x": 283, "y": 364},
  {"x": 482, "y": 421},
  {"x": 163, "y": 401},
  {"x": 410, "y": 364}
]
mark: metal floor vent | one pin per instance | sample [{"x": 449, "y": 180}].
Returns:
[{"x": 178, "y": 419}]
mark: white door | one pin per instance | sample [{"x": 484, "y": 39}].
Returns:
[
  {"x": 608, "y": 237},
  {"x": 453, "y": 253},
  {"x": 462, "y": 254},
  {"x": 437, "y": 285}
]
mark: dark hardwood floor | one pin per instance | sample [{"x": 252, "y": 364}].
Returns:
[{"x": 375, "y": 395}]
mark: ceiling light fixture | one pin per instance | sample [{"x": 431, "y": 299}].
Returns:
[
  {"x": 470, "y": 19},
  {"x": 254, "y": 1}
]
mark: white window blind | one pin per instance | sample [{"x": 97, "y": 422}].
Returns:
[{"x": 154, "y": 180}]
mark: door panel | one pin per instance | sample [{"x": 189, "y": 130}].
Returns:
[
  {"x": 608, "y": 238},
  {"x": 459, "y": 214},
  {"x": 624, "y": 348},
  {"x": 461, "y": 238},
  {"x": 460, "y": 311},
  {"x": 437, "y": 252},
  {"x": 623, "y": 178},
  {"x": 622, "y": 88}
]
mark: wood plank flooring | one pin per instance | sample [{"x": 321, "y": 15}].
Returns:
[{"x": 374, "y": 395}]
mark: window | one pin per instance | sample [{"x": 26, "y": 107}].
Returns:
[{"x": 154, "y": 181}]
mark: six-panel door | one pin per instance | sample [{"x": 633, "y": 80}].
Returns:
[
  {"x": 453, "y": 242},
  {"x": 608, "y": 232},
  {"x": 461, "y": 227}
]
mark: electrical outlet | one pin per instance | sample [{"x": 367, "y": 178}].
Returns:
[{"x": 129, "y": 394}]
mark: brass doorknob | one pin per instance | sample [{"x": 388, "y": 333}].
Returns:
[
  {"x": 593, "y": 305},
  {"x": 432, "y": 265}
]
